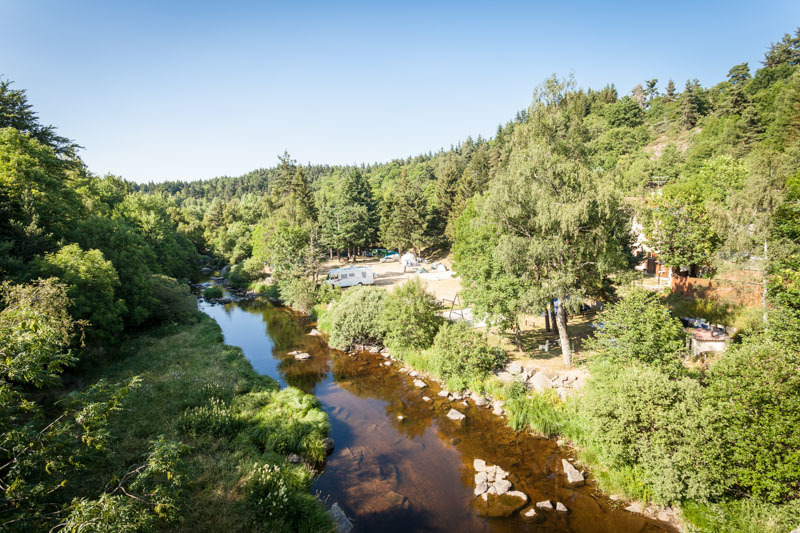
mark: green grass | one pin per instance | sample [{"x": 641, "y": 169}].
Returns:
[{"x": 197, "y": 390}]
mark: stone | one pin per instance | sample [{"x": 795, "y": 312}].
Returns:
[
  {"x": 329, "y": 445},
  {"x": 425, "y": 398},
  {"x": 497, "y": 408},
  {"x": 614, "y": 498},
  {"x": 387, "y": 363},
  {"x": 314, "y": 332},
  {"x": 413, "y": 373},
  {"x": 574, "y": 478},
  {"x": 480, "y": 477},
  {"x": 664, "y": 516},
  {"x": 492, "y": 490},
  {"x": 340, "y": 520},
  {"x": 502, "y": 485},
  {"x": 498, "y": 506},
  {"x": 401, "y": 418},
  {"x": 539, "y": 382},
  {"x": 404, "y": 370},
  {"x": 499, "y": 473},
  {"x": 294, "y": 458},
  {"x": 418, "y": 383},
  {"x": 561, "y": 508},
  {"x": 480, "y": 488},
  {"x": 514, "y": 368},
  {"x": 529, "y": 513},
  {"x": 480, "y": 401},
  {"x": 479, "y": 465},
  {"x": 505, "y": 377},
  {"x": 458, "y": 396},
  {"x": 302, "y": 356},
  {"x": 545, "y": 505},
  {"x": 635, "y": 507},
  {"x": 443, "y": 394},
  {"x": 374, "y": 349},
  {"x": 455, "y": 415}
]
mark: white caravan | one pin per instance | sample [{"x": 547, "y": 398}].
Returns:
[{"x": 352, "y": 275}]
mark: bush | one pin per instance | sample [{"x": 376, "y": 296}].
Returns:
[
  {"x": 639, "y": 328},
  {"x": 460, "y": 354},
  {"x": 638, "y": 418},
  {"x": 175, "y": 301},
  {"x": 410, "y": 317},
  {"x": 327, "y": 293},
  {"x": 214, "y": 419},
  {"x": 299, "y": 293},
  {"x": 212, "y": 292},
  {"x": 355, "y": 318},
  {"x": 753, "y": 398}
]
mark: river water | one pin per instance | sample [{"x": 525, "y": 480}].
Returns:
[{"x": 414, "y": 474}]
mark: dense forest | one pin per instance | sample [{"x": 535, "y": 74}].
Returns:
[{"x": 543, "y": 210}]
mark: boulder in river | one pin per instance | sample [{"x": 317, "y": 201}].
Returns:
[
  {"x": 502, "y": 486},
  {"x": 315, "y": 332},
  {"x": 497, "y": 506},
  {"x": 340, "y": 520},
  {"x": 302, "y": 356},
  {"x": 480, "y": 401},
  {"x": 455, "y": 415},
  {"x": 443, "y": 394},
  {"x": 479, "y": 465},
  {"x": 574, "y": 478},
  {"x": 418, "y": 383},
  {"x": 529, "y": 513},
  {"x": 545, "y": 505},
  {"x": 329, "y": 445},
  {"x": 561, "y": 508}
]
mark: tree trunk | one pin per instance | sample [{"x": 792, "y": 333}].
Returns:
[
  {"x": 547, "y": 318},
  {"x": 561, "y": 320},
  {"x": 518, "y": 335}
]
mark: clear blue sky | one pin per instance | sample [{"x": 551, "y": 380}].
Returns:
[{"x": 171, "y": 90}]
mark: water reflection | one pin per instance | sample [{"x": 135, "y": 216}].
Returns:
[{"x": 414, "y": 473}]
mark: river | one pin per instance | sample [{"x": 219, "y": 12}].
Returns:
[{"x": 414, "y": 474}]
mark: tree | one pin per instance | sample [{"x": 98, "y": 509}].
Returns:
[
  {"x": 669, "y": 95},
  {"x": 651, "y": 89},
  {"x": 689, "y": 106},
  {"x": 639, "y": 328},
  {"x": 405, "y": 216},
  {"x": 561, "y": 225},
  {"x": 92, "y": 282},
  {"x": 410, "y": 316},
  {"x": 784, "y": 52}
]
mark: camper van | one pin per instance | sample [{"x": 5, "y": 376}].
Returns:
[{"x": 352, "y": 275}]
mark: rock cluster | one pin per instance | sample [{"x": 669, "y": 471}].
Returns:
[
  {"x": 494, "y": 496},
  {"x": 300, "y": 356}
]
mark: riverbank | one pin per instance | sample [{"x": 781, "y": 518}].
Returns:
[{"x": 239, "y": 432}]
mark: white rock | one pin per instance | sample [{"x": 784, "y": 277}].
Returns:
[
  {"x": 480, "y": 401},
  {"x": 530, "y": 514},
  {"x": 481, "y": 488},
  {"x": 545, "y": 505},
  {"x": 413, "y": 373},
  {"x": 418, "y": 383},
  {"x": 387, "y": 363},
  {"x": 635, "y": 507},
  {"x": 514, "y": 368},
  {"x": 540, "y": 382},
  {"x": 480, "y": 477},
  {"x": 400, "y": 417},
  {"x": 560, "y": 507},
  {"x": 314, "y": 332},
  {"x": 479, "y": 465},
  {"x": 574, "y": 478},
  {"x": 443, "y": 393},
  {"x": 455, "y": 415},
  {"x": 502, "y": 486},
  {"x": 425, "y": 398},
  {"x": 517, "y": 494},
  {"x": 302, "y": 356}
]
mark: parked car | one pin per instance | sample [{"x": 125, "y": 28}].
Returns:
[
  {"x": 391, "y": 256},
  {"x": 352, "y": 275}
]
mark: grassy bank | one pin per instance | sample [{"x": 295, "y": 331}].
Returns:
[{"x": 237, "y": 429}]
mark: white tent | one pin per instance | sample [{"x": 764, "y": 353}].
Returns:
[{"x": 408, "y": 260}]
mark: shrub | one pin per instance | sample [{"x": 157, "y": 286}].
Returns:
[
  {"x": 214, "y": 419},
  {"x": 175, "y": 301},
  {"x": 327, "y": 293},
  {"x": 298, "y": 292},
  {"x": 637, "y": 417},
  {"x": 753, "y": 398},
  {"x": 212, "y": 292},
  {"x": 410, "y": 317},
  {"x": 639, "y": 329},
  {"x": 355, "y": 318},
  {"x": 461, "y": 354}
]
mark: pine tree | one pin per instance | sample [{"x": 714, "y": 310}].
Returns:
[{"x": 670, "y": 92}]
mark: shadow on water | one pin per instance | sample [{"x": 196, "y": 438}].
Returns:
[{"x": 412, "y": 473}]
